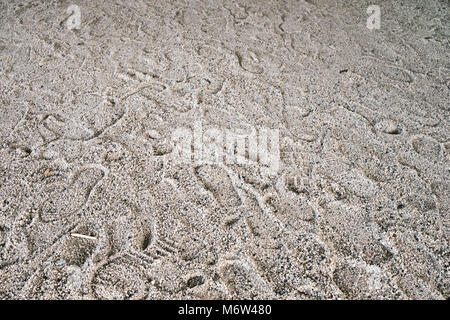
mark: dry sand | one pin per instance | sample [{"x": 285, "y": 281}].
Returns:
[{"x": 92, "y": 206}]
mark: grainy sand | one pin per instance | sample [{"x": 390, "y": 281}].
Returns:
[{"x": 92, "y": 205}]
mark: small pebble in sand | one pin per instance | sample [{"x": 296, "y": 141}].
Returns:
[
  {"x": 22, "y": 152},
  {"x": 60, "y": 262},
  {"x": 388, "y": 126},
  {"x": 153, "y": 134}
]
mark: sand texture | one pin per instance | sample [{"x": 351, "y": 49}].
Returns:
[{"x": 94, "y": 206}]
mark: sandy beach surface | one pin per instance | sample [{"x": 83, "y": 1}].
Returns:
[{"x": 350, "y": 199}]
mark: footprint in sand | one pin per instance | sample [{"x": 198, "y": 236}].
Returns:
[{"x": 71, "y": 198}]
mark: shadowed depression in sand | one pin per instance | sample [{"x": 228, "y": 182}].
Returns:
[{"x": 348, "y": 199}]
